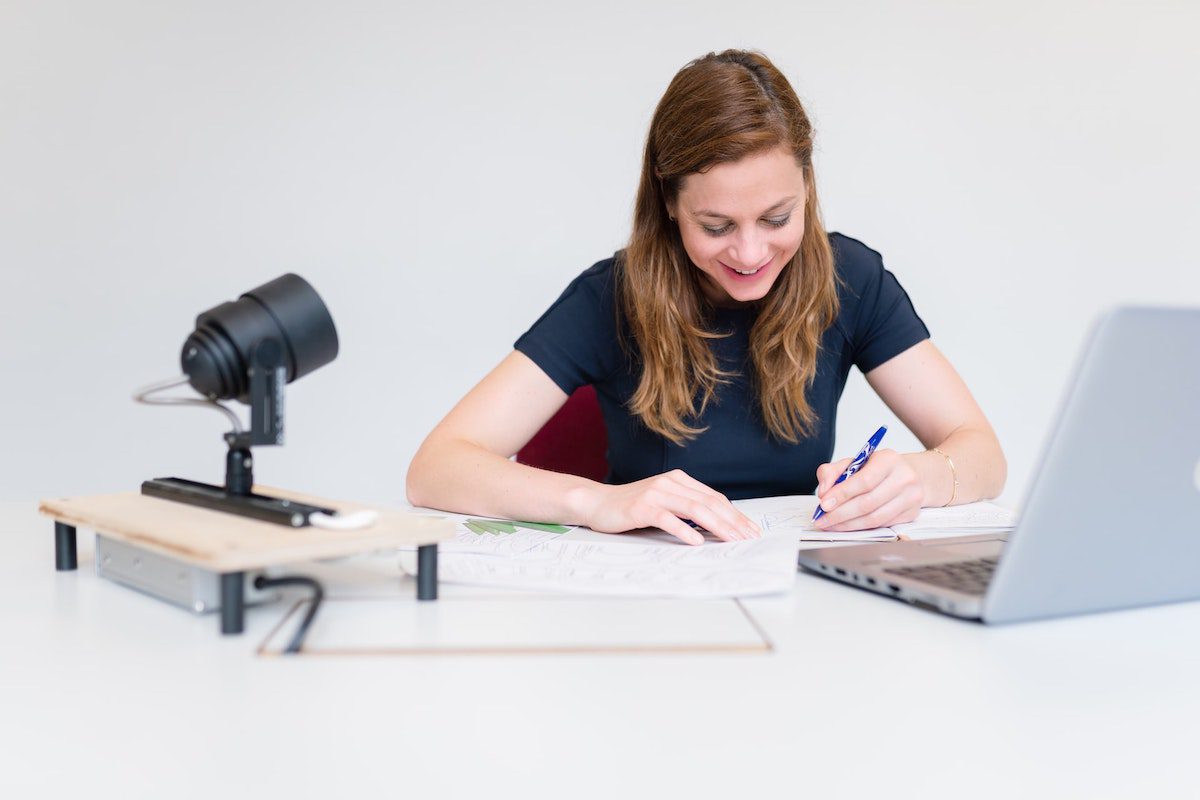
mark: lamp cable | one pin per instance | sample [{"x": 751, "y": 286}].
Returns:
[
  {"x": 143, "y": 395},
  {"x": 318, "y": 594}
]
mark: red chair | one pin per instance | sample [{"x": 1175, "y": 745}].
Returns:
[{"x": 574, "y": 441}]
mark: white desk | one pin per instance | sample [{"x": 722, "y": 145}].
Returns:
[{"x": 107, "y": 693}]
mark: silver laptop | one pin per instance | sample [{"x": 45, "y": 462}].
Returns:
[{"x": 1112, "y": 517}]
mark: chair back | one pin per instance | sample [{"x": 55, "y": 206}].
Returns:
[{"x": 573, "y": 441}]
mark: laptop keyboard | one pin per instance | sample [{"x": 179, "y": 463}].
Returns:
[{"x": 967, "y": 577}]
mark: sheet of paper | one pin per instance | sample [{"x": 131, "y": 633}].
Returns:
[
  {"x": 645, "y": 563},
  {"x": 792, "y": 515},
  {"x": 651, "y": 562},
  {"x": 971, "y": 517}
]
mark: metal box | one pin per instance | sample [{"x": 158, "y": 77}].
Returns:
[{"x": 193, "y": 588}]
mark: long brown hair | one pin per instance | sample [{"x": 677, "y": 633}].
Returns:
[{"x": 721, "y": 108}]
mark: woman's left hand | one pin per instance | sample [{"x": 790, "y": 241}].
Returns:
[{"x": 885, "y": 492}]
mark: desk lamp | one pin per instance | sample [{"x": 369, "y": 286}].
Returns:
[{"x": 248, "y": 350}]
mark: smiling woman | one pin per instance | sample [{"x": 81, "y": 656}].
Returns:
[
  {"x": 719, "y": 341},
  {"x": 734, "y": 251}
]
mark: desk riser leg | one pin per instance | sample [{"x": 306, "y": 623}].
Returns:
[
  {"x": 233, "y": 605},
  {"x": 65, "y": 554},
  {"x": 427, "y": 578}
]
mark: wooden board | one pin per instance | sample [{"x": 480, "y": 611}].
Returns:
[
  {"x": 224, "y": 542},
  {"x": 521, "y": 625}
]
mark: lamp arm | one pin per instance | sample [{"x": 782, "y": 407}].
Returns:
[{"x": 268, "y": 376}]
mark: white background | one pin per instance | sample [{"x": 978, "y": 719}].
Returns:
[{"x": 440, "y": 173}]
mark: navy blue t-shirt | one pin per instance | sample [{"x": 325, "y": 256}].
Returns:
[{"x": 576, "y": 343}]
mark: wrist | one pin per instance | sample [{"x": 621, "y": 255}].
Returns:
[
  {"x": 953, "y": 475},
  {"x": 934, "y": 477},
  {"x": 582, "y": 500}
]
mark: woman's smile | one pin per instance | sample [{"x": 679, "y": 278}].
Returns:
[{"x": 747, "y": 274}]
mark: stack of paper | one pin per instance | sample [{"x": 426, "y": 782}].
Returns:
[
  {"x": 793, "y": 516},
  {"x": 972, "y": 518},
  {"x": 648, "y": 562},
  {"x": 651, "y": 562}
]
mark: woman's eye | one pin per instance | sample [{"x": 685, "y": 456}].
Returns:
[{"x": 778, "y": 222}]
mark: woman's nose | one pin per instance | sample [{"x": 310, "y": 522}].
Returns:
[{"x": 749, "y": 250}]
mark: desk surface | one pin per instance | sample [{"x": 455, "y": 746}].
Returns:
[{"x": 106, "y": 692}]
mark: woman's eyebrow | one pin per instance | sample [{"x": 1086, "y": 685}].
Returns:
[{"x": 704, "y": 212}]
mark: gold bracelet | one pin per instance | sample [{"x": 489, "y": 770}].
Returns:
[{"x": 953, "y": 474}]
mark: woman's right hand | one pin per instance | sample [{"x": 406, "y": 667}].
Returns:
[{"x": 665, "y": 501}]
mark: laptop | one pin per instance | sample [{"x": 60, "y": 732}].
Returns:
[{"x": 1112, "y": 517}]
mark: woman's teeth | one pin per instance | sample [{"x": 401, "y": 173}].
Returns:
[{"x": 746, "y": 271}]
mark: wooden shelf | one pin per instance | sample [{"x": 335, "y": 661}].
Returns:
[{"x": 225, "y": 543}]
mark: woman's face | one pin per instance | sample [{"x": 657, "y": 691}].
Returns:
[{"x": 741, "y": 223}]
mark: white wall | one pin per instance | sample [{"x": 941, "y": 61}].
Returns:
[{"x": 439, "y": 174}]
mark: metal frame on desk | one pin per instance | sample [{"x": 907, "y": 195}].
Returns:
[{"x": 233, "y": 607}]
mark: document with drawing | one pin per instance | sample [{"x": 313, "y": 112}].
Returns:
[{"x": 543, "y": 557}]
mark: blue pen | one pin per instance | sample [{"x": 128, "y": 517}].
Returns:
[{"x": 859, "y": 461}]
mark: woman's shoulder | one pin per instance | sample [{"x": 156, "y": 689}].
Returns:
[
  {"x": 575, "y": 341},
  {"x": 857, "y": 265},
  {"x": 596, "y": 283},
  {"x": 587, "y": 300},
  {"x": 875, "y": 313},
  {"x": 860, "y": 277}
]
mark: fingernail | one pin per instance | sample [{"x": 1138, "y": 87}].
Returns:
[{"x": 829, "y": 503}]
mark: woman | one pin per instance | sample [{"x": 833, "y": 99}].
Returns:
[{"x": 719, "y": 341}]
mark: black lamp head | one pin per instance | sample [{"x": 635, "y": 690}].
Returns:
[{"x": 286, "y": 313}]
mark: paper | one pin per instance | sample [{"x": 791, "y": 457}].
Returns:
[
  {"x": 971, "y": 517},
  {"x": 651, "y": 562},
  {"x": 646, "y": 563},
  {"x": 792, "y": 515}
]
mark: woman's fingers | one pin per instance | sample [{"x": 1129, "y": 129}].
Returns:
[
  {"x": 719, "y": 504},
  {"x": 871, "y": 475},
  {"x": 677, "y": 528},
  {"x": 668, "y": 509},
  {"x": 688, "y": 504},
  {"x": 866, "y": 498},
  {"x": 899, "y": 509},
  {"x": 828, "y": 473},
  {"x": 668, "y": 501}
]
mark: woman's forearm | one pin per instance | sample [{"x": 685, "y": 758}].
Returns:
[
  {"x": 979, "y": 465},
  {"x": 461, "y": 477}
]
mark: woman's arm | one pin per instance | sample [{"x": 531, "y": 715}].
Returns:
[
  {"x": 923, "y": 389},
  {"x": 463, "y": 466}
]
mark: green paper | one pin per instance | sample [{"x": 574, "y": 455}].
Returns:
[
  {"x": 499, "y": 526},
  {"x": 543, "y": 526},
  {"x": 490, "y": 526}
]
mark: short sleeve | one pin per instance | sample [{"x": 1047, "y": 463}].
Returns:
[
  {"x": 575, "y": 342},
  {"x": 884, "y": 322}
]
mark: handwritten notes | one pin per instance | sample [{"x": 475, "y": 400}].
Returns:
[
  {"x": 651, "y": 562},
  {"x": 647, "y": 563}
]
